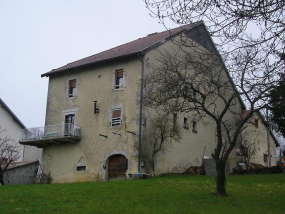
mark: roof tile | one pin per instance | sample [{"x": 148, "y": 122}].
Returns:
[{"x": 130, "y": 48}]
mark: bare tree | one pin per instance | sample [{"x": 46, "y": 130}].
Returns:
[
  {"x": 249, "y": 146},
  {"x": 197, "y": 81},
  {"x": 9, "y": 152},
  {"x": 249, "y": 36},
  {"x": 237, "y": 24},
  {"x": 158, "y": 137}
]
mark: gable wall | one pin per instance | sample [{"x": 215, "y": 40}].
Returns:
[{"x": 190, "y": 149}]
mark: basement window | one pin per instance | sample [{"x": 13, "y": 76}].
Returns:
[{"x": 81, "y": 168}]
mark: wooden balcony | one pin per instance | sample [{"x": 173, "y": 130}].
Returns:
[{"x": 60, "y": 134}]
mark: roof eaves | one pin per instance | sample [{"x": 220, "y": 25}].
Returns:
[
  {"x": 88, "y": 64},
  {"x": 12, "y": 114}
]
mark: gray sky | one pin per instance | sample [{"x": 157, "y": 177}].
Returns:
[{"x": 38, "y": 36}]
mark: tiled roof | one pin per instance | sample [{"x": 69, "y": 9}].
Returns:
[
  {"x": 127, "y": 49},
  {"x": 22, "y": 163}
]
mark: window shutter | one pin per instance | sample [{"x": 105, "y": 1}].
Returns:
[
  {"x": 116, "y": 113},
  {"x": 120, "y": 73},
  {"x": 72, "y": 83}
]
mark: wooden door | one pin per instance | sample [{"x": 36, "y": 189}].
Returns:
[{"x": 117, "y": 167}]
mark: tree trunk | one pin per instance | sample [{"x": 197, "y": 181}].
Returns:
[
  {"x": 221, "y": 178},
  {"x": 2, "y": 178}
]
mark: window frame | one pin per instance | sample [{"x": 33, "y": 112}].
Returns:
[
  {"x": 116, "y": 121},
  {"x": 194, "y": 126},
  {"x": 117, "y": 80},
  {"x": 265, "y": 158},
  {"x": 72, "y": 88},
  {"x": 186, "y": 121}
]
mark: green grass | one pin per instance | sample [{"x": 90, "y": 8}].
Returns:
[{"x": 167, "y": 194}]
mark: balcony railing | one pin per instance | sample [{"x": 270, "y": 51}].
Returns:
[{"x": 47, "y": 135}]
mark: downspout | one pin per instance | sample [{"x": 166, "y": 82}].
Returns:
[{"x": 141, "y": 115}]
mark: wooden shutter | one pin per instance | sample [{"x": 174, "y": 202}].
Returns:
[
  {"x": 116, "y": 113},
  {"x": 120, "y": 73},
  {"x": 72, "y": 83}
]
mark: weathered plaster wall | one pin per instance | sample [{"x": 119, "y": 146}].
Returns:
[
  {"x": 94, "y": 84},
  {"x": 190, "y": 149},
  {"x": 258, "y": 135}
]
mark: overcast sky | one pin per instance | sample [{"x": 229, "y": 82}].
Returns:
[{"x": 38, "y": 36}]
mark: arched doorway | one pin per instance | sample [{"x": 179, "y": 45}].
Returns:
[{"x": 117, "y": 167}]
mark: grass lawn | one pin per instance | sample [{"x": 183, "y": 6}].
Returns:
[{"x": 166, "y": 194}]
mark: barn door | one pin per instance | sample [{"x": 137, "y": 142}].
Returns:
[{"x": 117, "y": 167}]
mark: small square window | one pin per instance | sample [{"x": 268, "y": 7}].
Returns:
[
  {"x": 72, "y": 88},
  {"x": 116, "y": 117},
  {"x": 119, "y": 79}
]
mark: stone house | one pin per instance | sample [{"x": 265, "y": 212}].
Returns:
[{"x": 95, "y": 118}]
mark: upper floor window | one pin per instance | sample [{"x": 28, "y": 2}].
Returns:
[
  {"x": 119, "y": 79},
  {"x": 72, "y": 88},
  {"x": 116, "y": 117}
]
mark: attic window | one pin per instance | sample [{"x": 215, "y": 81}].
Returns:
[
  {"x": 119, "y": 78},
  {"x": 72, "y": 88}
]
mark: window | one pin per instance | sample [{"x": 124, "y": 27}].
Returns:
[
  {"x": 185, "y": 123},
  {"x": 186, "y": 93},
  {"x": 185, "y": 90},
  {"x": 72, "y": 88},
  {"x": 80, "y": 168},
  {"x": 174, "y": 121},
  {"x": 265, "y": 158},
  {"x": 69, "y": 124},
  {"x": 194, "y": 126},
  {"x": 119, "y": 78},
  {"x": 256, "y": 123},
  {"x": 116, "y": 117}
]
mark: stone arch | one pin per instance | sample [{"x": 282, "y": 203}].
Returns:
[{"x": 116, "y": 166}]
